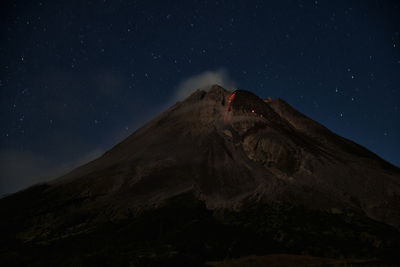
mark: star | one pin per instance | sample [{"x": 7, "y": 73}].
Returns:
[{"x": 131, "y": 58}]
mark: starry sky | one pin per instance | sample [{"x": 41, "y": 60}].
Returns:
[{"x": 76, "y": 77}]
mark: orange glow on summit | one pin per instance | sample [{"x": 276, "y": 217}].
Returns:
[{"x": 228, "y": 107}]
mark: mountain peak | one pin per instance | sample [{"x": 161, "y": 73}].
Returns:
[
  {"x": 217, "y": 87},
  {"x": 224, "y": 149}
]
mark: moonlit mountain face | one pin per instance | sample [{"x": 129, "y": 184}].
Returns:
[{"x": 219, "y": 175}]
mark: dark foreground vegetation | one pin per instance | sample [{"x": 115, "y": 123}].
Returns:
[{"x": 184, "y": 233}]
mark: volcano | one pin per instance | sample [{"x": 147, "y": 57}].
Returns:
[{"x": 220, "y": 175}]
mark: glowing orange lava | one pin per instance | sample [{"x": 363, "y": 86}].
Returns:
[{"x": 228, "y": 107}]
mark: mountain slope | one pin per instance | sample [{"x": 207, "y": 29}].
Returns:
[{"x": 232, "y": 155}]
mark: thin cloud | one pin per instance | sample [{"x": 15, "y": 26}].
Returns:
[{"x": 203, "y": 81}]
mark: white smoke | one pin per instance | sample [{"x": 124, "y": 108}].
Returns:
[{"x": 203, "y": 81}]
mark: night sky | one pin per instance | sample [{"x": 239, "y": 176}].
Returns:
[{"x": 79, "y": 76}]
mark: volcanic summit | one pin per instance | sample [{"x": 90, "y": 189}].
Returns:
[{"x": 219, "y": 175}]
